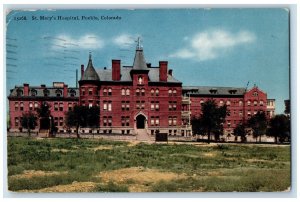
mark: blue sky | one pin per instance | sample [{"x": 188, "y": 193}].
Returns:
[{"x": 204, "y": 47}]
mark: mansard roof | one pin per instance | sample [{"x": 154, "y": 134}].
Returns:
[
  {"x": 213, "y": 90},
  {"x": 39, "y": 91},
  {"x": 106, "y": 75}
]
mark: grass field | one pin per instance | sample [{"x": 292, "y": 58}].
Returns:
[{"x": 87, "y": 165}]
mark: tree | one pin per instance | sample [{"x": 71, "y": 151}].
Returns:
[
  {"x": 279, "y": 127},
  {"x": 82, "y": 116},
  {"x": 258, "y": 123},
  {"x": 29, "y": 121},
  {"x": 240, "y": 130},
  {"x": 212, "y": 118},
  {"x": 44, "y": 115}
]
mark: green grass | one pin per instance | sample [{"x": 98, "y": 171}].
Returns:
[{"x": 244, "y": 168}]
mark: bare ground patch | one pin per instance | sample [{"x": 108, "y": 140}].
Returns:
[
  {"x": 36, "y": 173},
  {"x": 74, "y": 187},
  {"x": 61, "y": 150},
  {"x": 101, "y": 148},
  {"x": 139, "y": 177}
]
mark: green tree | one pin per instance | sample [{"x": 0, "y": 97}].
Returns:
[
  {"x": 82, "y": 116},
  {"x": 212, "y": 118},
  {"x": 44, "y": 115},
  {"x": 29, "y": 121},
  {"x": 279, "y": 127},
  {"x": 258, "y": 123},
  {"x": 240, "y": 130}
]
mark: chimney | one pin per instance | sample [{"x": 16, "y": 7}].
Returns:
[
  {"x": 163, "y": 69},
  {"x": 26, "y": 89},
  {"x": 116, "y": 70},
  {"x": 148, "y": 65},
  {"x": 65, "y": 90},
  {"x": 170, "y": 72},
  {"x": 82, "y": 70}
]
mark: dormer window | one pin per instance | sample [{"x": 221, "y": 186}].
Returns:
[
  {"x": 58, "y": 93},
  {"x": 213, "y": 91},
  {"x": 19, "y": 92},
  {"x": 46, "y": 92},
  {"x": 72, "y": 93},
  {"x": 255, "y": 94},
  {"x": 33, "y": 92},
  {"x": 232, "y": 92}
]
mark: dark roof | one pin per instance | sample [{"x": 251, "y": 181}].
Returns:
[
  {"x": 106, "y": 75},
  {"x": 213, "y": 90},
  {"x": 40, "y": 91},
  {"x": 90, "y": 73},
  {"x": 139, "y": 60}
]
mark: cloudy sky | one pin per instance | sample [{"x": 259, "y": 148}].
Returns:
[{"x": 204, "y": 47}]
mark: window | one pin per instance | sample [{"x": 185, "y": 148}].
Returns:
[
  {"x": 240, "y": 103},
  {"x": 228, "y": 123},
  {"x": 201, "y": 102},
  {"x": 36, "y": 105},
  {"x": 61, "y": 106},
  {"x": 19, "y": 92},
  {"x": 157, "y": 106},
  {"x": 104, "y": 105},
  {"x": 255, "y": 94},
  {"x": 140, "y": 80},
  {"x": 72, "y": 93},
  {"x": 109, "y": 92},
  {"x": 82, "y": 91},
  {"x": 56, "y": 121},
  {"x": 33, "y": 92},
  {"x": 30, "y": 106},
  {"x": 152, "y": 92},
  {"x": 90, "y": 91},
  {"x": 261, "y": 103},
  {"x": 123, "y": 91},
  {"x": 104, "y": 120},
  {"x": 58, "y": 93},
  {"x": 152, "y": 121},
  {"x": 152, "y": 106},
  {"x": 255, "y": 103},
  {"x": 16, "y": 121},
  {"x": 172, "y": 105},
  {"x": 109, "y": 106},
  {"x": 137, "y": 92},
  {"x": 127, "y": 92},
  {"x": 140, "y": 104},
  {"x": 104, "y": 91},
  {"x": 46, "y": 92},
  {"x": 157, "y": 92},
  {"x": 90, "y": 103},
  {"x": 174, "y": 92},
  {"x": 170, "y": 121},
  {"x": 157, "y": 121},
  {"x": 249, "y": 113},
  {"x": 228, "y": 103},
  {"x": 241, "y": 113},
  {"x": 61, "y": 121},
  {"x": 143, "y": 92},
  {"x": 55, "y": 106},
  {"x": 69, "y": 106},
  {"x": 174, "y": 121},
  {"x": 21, "y": 106},
  {"x": 16, "y": 106},
  {"x": 123, "y": 105},
  {"x": 221, "y": 102},
  {"x": 248, "y": 102},
  {"x": 170, "y": 92},
  {"x": 127, "y": 105},
  {"x": 125, "y": 120}
]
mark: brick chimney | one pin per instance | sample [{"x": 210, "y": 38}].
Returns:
[
  {"x": 170, "y": 72},
  {"x": 82, "y": 71},
  {"x": 65, "y": 90},
  {"x": 116, "y": 70},
  {"x": 163, "y": 69},
  {"x": 26, "y": 89}
]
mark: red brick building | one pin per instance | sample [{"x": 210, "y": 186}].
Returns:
[{"x": 135, "y": 97}]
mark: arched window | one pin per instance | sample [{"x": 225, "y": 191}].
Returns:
[
  {"x": 174, "y": 92},
  {"x": 157, "y": 92},
  {"x": 152, "y": 92},
  {"x": 19, "y": 92},
  {"x": 109, "y": 92},
  {"x": 137, "y": 91},
  {"x": 123, "y": 91},
  {"x": 46, "y": 92},
  {"x": 143, "y": 92},
  {"x": 127, "y": 91},
  {"x": 170, "y": 92},
  {"x": 58, "y": 93},
  {"x": 72, "y": 93},
  {"x": 104, "y": 91},
  {"x": 33, "y": 92}
]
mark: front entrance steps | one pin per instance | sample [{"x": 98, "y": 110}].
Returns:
[{"x": 142, "y": 135}]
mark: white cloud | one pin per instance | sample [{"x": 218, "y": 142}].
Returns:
[
  {"x": 212, "y": 44},
  {"x": 88, "y": 41},
  {"x": 124, "y": 40}
]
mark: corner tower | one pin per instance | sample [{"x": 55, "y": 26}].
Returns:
[{"x": 89, "y": 86}]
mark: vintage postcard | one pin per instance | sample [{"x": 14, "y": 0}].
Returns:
[{"x": 148, "y": 100}]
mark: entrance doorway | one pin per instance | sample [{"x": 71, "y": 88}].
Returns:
[{"x": 140, "y": 121}]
